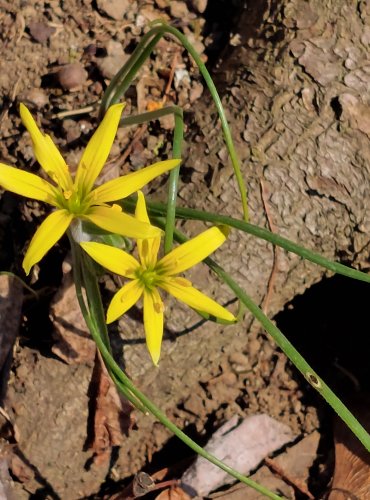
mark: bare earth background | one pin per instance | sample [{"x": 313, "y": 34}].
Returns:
[{"x": 294, "y": 78}]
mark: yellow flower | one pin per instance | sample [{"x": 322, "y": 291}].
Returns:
[
  {"x": 150, "y": 274},
  {"x": 76, "y": 198}
]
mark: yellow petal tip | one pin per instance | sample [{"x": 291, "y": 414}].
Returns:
[
  {"x": 22, "y": 107},
  {"x": 25, "y": 114},
  {"x": 155, "y": 357},
  {"x": 119, "y": 107},
  {"x": 26, "y": 268}
]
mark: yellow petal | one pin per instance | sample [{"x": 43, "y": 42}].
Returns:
[
  {"x": 49, "y": 232},
  {"x": 195, "y": 299},
  {"x": 124, "y": 299},
  {"x": 193, "y": 251},
  {"x": 98, "y": 149},
  {"x": 148, "y": 249},
  {"x": 153, "y": 323},
  {"x": 111, "y": 220},
  {"x": 46, "y": 152},
  {"x": 26, "y": 184},
  {"x": 117, "y": 189},
  {"x": 141, "y": 212},
  {"x": 114, "y": 259}
]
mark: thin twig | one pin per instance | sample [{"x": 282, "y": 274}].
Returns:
[
  {"x": 170, "y": 79},
  {"x": 74, "y": 112}
]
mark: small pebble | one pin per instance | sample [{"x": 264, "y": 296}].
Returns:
[
  {"x": 72, "y": 76},
  {"x": 40, "y": 32}
]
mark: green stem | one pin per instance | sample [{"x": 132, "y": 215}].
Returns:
[
  {"x": 299, "y": 362},
  {"x": 151, "y": 115},
  {"x": 164, "y": 28},
  {"x": 176, "y": 153},
  {"x": 93, "y": 296},
  {"x": 173, "y": 183},
  {"x": 260, "y": 232},
  {"x": 124, "y": 77},
  {"x": 93, "y": 321},
  {"x": 156, "y": 412}
]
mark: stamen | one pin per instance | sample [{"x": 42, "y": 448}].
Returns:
[
  {"x": 145, "y": 248},
  {"x": 67, "y": 194},
  {"x": 158, "y": 307},
  {"x": 115, "y": 207},
  {"x": 53, "y": 176}
]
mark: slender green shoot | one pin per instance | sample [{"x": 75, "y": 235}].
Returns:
[
  {"x": 22, "y": 282},
  {"x": 173, "y": 183},
  {"x": 289, "y": 350},
  {"x": 158, "y": 209},
  {"x": 176, "y": 153},
  {"x": 121, "y": 82},
  {"x": 126, "y": 74}
]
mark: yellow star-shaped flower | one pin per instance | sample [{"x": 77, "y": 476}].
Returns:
[
  {"x": 149, "y": 274},
  {"x": 77, "y": 198}
]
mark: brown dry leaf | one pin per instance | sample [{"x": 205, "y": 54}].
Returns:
[
  {"x": 160, "y": 474},
  {"x": 174, "y": 493},
  {"x": 294, "y": 464},
  {"x": 73, "y": 343},
  {"x": 352, "y": 461},
  {"x": 112, "y": 414}
]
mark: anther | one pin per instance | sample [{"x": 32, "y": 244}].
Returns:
[
  {"x": 67, "y": 194},
  {"x": 158, "y": 307},
  {"x": 145, "y": 248}
]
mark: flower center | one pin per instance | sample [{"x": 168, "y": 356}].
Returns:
[
  {"x": 72, "y": 201},
  {"x": 148, "y": 277}
]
